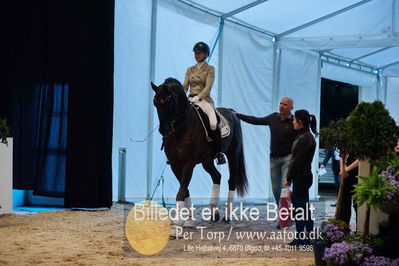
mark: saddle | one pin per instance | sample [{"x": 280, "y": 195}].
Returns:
[{"x": 222, "y": 122}]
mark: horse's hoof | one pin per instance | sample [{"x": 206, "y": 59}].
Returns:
[
  {"x": 176, "y": 232},
  {"x": 215, "y": 218},
  {"x": 189, "y": 224},
  {"x": 176, "y": 223},
  {"x": 226, "y": 221}
]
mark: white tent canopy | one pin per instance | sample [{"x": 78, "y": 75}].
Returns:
[{"x": 262, "y": 50}]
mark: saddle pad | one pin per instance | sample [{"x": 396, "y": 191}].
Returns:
[{"x": 224, "y": 125}]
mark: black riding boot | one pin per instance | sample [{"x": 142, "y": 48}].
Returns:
[{"x": 217, "y": 140}]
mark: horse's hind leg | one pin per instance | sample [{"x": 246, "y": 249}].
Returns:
[
  {"x": 216, "y": 176},
  {"x": 232, "y": 188}
]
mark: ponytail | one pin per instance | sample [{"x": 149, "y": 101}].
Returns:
[
  {"x": 307, "y": 119},
  {"x": 313, "y": 124}
]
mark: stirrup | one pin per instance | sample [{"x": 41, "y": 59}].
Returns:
[{"x": 220, "y": 158}]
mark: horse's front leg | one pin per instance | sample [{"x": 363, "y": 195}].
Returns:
[
  {"x": 189, "y": 222},
  {"x": 183, "y": 173}
]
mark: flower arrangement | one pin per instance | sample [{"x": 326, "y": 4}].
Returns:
[
  {"x": 351, "y": 253},
  {"x": 376, "y": 242},
  {"x": 334, "y": 230},
  {"x": 380, "y": 189},
  {"x": 391, "y": 177},
  {"x": 371, "y": 190},
  {"x": 379, "y": 261}
]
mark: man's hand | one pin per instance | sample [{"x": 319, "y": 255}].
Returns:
[{"x": 287, "y": 183}]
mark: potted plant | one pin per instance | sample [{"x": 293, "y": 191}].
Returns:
[
  {"x": 347, "y": 253},
  {"x": 336, "y": 136},
  {"x": 390, "y": 204},
  {"x": 376, "y": 242},
  {"x": 379, "y": 260},
  {"x": 332, "y": 231},
  {"x": 371, "y": 190},
  {"x": 4, "y": 131},
  {"x": 381, "y": 190},
  {"x": 372, "y": 135}
]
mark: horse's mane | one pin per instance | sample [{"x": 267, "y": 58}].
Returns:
[{"x": 176, "y": 86}]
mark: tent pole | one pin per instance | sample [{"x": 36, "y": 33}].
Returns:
[
  {"x": 381, "y": 88},
  {"x": 276, "y": 76},
  {"x": 318, "y": 111},
  {"x": 151, "y": 109},
  {"x": 372, "y": 53},
  {"x": 389, "y": 65},
  {"x": 385, "y": 82},
  {"x": 394, "y": 16},
  {"x": 336, "y": 60},
  {"x": 220, "y": 70},
  {"x": 275, "y": 86},
  {"x": 122, "y": 175},
  {"x": 220, "y": 15},
  {"x": 243, "y": 8},
  {"x": 313, "y": 22}
]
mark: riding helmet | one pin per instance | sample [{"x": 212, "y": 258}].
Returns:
[{"x": 201, "y": 46}]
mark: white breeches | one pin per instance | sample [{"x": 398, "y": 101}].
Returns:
[{"x": 209, "y": 111}]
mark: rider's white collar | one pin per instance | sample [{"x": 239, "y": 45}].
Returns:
[{"x": 200, "y": 64}]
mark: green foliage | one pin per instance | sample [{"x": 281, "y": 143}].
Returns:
[
  {"x": 391, "y": 159},
  {"x": 372, "y": 131},
  {"x": 371, "y": 190},
  {"x": 4, "y": 131},
  {"x": 336, "y": 135}
]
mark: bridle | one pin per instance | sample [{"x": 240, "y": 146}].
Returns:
[
  {"x": 163, "y": 100},
  {"x": 176, "y": 120}
]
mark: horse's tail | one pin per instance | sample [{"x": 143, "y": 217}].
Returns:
[{"x": 241, "y": 180}]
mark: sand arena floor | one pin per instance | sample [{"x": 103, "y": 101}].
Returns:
[{"x": 71, "y": 237}]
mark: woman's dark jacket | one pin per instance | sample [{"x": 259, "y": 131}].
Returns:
[{"x": 303, "y": 150}]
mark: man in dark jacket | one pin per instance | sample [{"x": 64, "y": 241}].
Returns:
[{"x": 282, "y": 136}]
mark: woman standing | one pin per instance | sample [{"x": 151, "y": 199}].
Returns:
[
  {"x": 200, "y": 78},
  {"x": 300, "y": 174},
  {"x": 351, "y": 169}
]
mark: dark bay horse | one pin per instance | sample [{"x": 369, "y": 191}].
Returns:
[{"x": 186, "y": 146}]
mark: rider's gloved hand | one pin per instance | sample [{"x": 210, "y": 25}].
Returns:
[{"x": 194, "y": 99}]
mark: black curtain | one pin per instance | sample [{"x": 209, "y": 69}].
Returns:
[
  {"x": 38, "y": 118},
  {"x": 89, "y": 173},
  {"x": 64, "y": 45},
  {"x": 24, "y": 111},
  {"x": 52, "y": 120}
]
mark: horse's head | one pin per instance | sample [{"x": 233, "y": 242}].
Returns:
[
  {"x": 164, "y": 98},
  {"x": 171, "y": 102}
]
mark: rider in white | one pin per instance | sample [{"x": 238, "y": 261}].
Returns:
[{"x": 200, "y": 78}]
